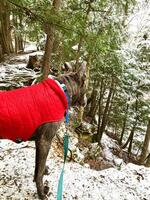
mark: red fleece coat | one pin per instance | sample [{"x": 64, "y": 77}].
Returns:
[{"x": 23, "y": 110}]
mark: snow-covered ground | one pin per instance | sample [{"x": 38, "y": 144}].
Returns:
[{"x": 130, "y": 182}]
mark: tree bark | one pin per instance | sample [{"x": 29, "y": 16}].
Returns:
[
  {"x": 110, "y": 106},
  {"x": 93, "y": 98},
  {"x": 50, "y": 31},
  {"x": 20, "y": 36},
  {"x": 124, "y": 125},
  {"x": 145, "y": 146},
  {"x": 82, "y": 38},
  {"x": 1, "y": 53},
  {"x": 93, "y": 107},
  {"x": 17, "y": 21},
  {"x": 130, "y": 139},
  {"x": 101, "y": 128},
  {"x": 147, "y": 164},
  {"x": 5, "y": 28}
]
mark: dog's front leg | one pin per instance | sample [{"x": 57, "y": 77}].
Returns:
[
  {"x": 42, "y": 149},
  {"x": 44, "y": 136}
]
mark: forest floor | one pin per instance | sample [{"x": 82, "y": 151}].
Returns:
[{"x": 84, "y": 178}]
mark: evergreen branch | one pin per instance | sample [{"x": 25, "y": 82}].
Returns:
[
  {"x": 41, "y": 19},
  {"x": 27, "y": 11}
]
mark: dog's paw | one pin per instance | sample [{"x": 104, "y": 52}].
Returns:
[{"x": 46, "y": 189}]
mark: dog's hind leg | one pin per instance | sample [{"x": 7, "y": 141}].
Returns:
[{"x": 44, "y": 136}]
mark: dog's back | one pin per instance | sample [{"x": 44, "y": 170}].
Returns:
[{"x": 23, "y": 110}]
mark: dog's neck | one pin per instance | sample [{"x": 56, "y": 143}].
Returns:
[{"x": 72, "y": 85}]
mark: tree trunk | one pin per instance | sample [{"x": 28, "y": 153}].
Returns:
[
  {"x": 82, "y": 38},
  {"x": 123, "y": 131},
  {"x": 124, "y": 125},
  {"x": 100, "y": 101},
  {"x": 50, "y": 30},
  {"x": 147, "y": 164},
  {"x": 110, "y": 106},
  {"x": 5, "y": 28},
  {"x": 145, "y": 147},
  {"x": 1, "y": 53},
  {"x": 130, "y": 139},
  {"x": 101, "y": 128},
  {"x": 93, "y": 104},
  {"x": 48, "y": 53}
]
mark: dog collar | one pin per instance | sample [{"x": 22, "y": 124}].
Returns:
[{"x": 64, "y": 88}]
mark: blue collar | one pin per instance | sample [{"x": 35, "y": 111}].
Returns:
[{"x": 64, "y": 88}]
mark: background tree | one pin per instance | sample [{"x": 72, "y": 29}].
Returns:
[
  {"x": 144, "y": 157},
  {"x": 50, "y": 31},
  {"x": 5, "y": 28}
]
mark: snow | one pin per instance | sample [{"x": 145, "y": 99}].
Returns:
[
  {"x": 30, "y": 46},
  {"x": 139, "y": 20},
  {"x": 13, "y": 71},
  {"x": 17, "y": 161},
  {"x": 131, "y": 182},
  {"x": 108, "y": 144},
  {"x": 122, "y": 182}
]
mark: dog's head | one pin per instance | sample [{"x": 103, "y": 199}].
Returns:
[{"x": 76, "y": 85}]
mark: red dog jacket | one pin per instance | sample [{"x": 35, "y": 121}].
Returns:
[{"x": 23, "y": 110}]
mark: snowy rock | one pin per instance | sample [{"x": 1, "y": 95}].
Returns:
[
  {"x": 118, "y": 162},
  {"x": 78, "y": 156},
  {"x": 94, "y": 150}
]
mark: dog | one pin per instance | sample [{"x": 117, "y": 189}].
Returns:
[{"x": 36, "y": 112}]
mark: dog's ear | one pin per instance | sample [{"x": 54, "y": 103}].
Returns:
[
  {"x": 67, "y": 67},
  {"x": 82, "y": 70}
]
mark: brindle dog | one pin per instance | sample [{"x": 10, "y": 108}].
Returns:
[{"x": 75, "y": 84}]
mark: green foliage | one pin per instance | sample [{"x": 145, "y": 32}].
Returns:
[{"x": 99, "y": 27}]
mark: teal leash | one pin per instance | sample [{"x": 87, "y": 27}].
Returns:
[
  {"x": 66, "y": 144},
  {"x": 60, "y": 183}
]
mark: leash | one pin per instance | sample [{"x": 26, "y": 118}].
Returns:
[
  {"x": 66, "y": 144},
  {"x": 60, "y": 183}
]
